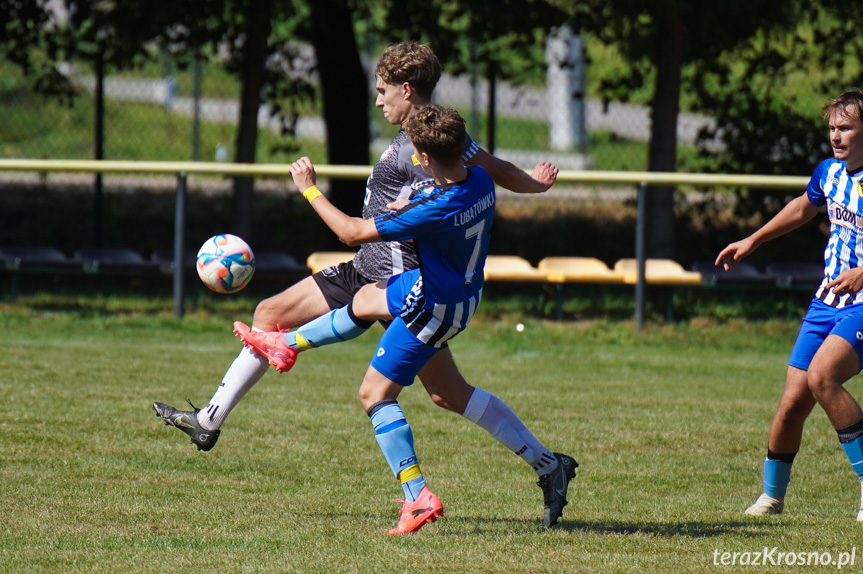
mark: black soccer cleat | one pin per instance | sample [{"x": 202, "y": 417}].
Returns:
[
  {"x": 554, "y": 486},
  {"x": 188, "y": 423}
]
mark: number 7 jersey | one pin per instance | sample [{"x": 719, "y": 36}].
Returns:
[{"x": 451, "y": 226}]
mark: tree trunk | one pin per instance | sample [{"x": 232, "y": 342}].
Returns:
[
  {"x": 345, "y": 92},
  {"x": 254, "y": 53},
  {"x": 663, "y": 137}
]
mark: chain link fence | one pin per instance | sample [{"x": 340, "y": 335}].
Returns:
[{"x": 150, "y": 114}]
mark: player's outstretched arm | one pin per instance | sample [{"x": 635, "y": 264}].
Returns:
[
  {"x": 512, "y": 177},
  {"x": 797, "y": 212},
  {"x": 351, "y": 230}
]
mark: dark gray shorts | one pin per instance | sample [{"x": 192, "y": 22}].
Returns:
[{"x": 340, "y": 283}]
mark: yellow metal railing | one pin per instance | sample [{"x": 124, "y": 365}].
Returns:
[
  {"x": 642, "y": 180},
  {"x": 361, "y": 172}
]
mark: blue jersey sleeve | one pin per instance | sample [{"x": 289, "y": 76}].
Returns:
[
  {"x": 815, "y": 188},
  {"x": 470, "y": 149},
  {"x": 411, "y": 221}
]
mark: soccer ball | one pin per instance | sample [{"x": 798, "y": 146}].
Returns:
[{"x": 225, "y": 263}]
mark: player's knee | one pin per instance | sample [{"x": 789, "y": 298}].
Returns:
[
  {"x": 265, "y": 315},
  {"x": 367, "y": 396},
  {"x": 819, "y": 383},
  {"x": 440, "y": 401},
  {"x": 793, "y": 410}
]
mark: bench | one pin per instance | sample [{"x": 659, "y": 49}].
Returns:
[
  {"x": 512, "y": 268},
  {"x": 657, "y": 272},
  {"x": 115, "y": 262},
  {"x": 47, "y": 260}
]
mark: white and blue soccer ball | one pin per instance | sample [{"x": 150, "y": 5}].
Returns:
[{"x": 225, "y": 263}]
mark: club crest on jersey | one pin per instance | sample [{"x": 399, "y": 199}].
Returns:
[
  {"x": 386, "y": 153},
  {"x": 425, "y": 187},
  {"x": 860, "y": 187}
]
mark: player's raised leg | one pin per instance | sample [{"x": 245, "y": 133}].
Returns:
[
  {"x": 339, "y": 325},
  {"x": 296, "y": 305}
]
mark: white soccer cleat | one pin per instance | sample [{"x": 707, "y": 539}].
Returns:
[
  {"x": 768, "y": 506},
  {"x": 860, "y": 512}
]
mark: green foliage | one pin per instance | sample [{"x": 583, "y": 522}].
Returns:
[{"x": 504, "y": 38}]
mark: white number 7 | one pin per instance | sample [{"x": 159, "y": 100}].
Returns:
[{"x": 475, "y": 231}]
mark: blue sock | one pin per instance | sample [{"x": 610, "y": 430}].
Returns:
[
  {"x": 777, "y": 474},
  {"x": 396, "y": 440},
  {"x": 334, "y": 327},
  {"x": 851, "y": 439}
]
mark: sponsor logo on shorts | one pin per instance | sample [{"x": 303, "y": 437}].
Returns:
[{"x": 330, "y": 271}]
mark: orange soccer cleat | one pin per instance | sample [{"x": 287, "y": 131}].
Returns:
[
  {"x": 416, "y": 514},
  {"x": 270, "y": 345}
]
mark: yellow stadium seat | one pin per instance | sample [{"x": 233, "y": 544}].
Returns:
[
  {"x": 511, "y": 268},
  {"x": 657, "y": 272},
  {"x": 578, "y": 270}
]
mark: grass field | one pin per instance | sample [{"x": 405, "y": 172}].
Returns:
[{"x": 669, "y": 427}]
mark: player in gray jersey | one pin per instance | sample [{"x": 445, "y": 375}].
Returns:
[{"x": 406, "y": 75}]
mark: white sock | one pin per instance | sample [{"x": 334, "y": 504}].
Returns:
[
  {"x": 246, "y": 370},
  {"x": 499, "y": 421}
]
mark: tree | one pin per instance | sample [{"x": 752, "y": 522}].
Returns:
[
  {"x": 26, "y": 40},
  {"x": 767, "y": 92},
  {"x": 661, "y": 39},
  {"x": 252, "y": 57},
  {"x": 120, "y": 35},
  {"x": 497, "y": 40},
  {"x": 345, "y": 93}
]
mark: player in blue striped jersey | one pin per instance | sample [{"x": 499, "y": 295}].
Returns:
[
  {"x": 451, "y": 225},
  {"x": 829, "y": 347},
  {"x": 405, "y": 75}
]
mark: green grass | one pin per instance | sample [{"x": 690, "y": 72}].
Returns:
[
  {"x": 44, "y": 129},
  {"x": 669, "y": 427}
]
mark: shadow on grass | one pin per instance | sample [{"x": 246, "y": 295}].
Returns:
[{"x": 690, "y": 529}]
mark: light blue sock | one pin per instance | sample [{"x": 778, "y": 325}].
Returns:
[
  {"x": 334, "y": 327},
  {"x": 396, "y": 440},
  {"x": 854, "y": 451},
  {"x": 777, "y": 474},
  {"x": 851, "y": 439}
]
